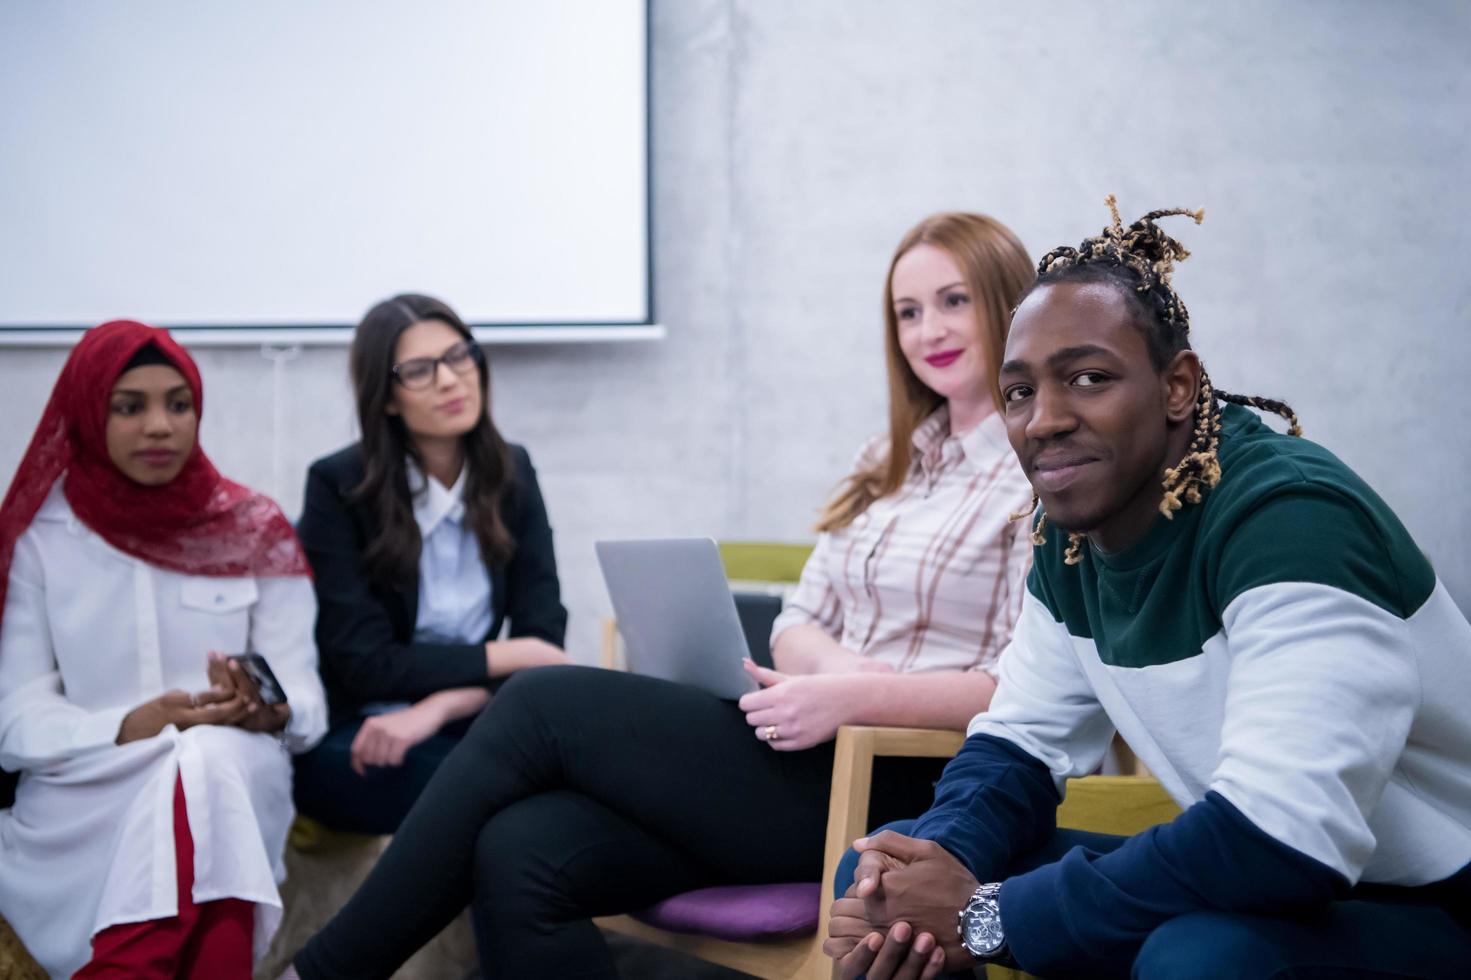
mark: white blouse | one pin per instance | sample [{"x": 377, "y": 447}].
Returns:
[{"x": 90, "y": 633}]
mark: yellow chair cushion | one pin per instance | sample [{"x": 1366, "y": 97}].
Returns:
[
  {"x": 760, "y": 561},
  {"x": 311, "y": 837},
  {"x": 1115, "y": 805}
]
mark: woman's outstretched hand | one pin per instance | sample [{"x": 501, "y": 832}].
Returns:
[
  {"x": 504, "y": 657},
  {"x": 794, "y": 712},
  {"x": 383, "y": 740}
]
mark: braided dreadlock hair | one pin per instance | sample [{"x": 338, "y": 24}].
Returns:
[{"x": 1139, "y": 261}]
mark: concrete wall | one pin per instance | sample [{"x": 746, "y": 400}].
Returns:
[{"x": 793, "y": 145}]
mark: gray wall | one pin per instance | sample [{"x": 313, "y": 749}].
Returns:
[{"x": 793, "y": 145}]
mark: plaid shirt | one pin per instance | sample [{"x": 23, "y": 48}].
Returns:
[{"x": 930, "y": 577}]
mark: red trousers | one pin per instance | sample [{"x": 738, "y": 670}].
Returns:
[{"x": 212, "y": 940}]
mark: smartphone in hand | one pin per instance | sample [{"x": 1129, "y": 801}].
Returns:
[{"x": 260, "y": 672}]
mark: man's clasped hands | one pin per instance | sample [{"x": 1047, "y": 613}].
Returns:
[{"x": 898, "y": 920}]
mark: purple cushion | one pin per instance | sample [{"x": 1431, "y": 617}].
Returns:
[{"x": 740, "y": 913}]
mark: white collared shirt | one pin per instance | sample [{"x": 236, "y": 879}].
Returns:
[
  {"x": 454, "y": 584},
  {"x": 89, "y": 634}
]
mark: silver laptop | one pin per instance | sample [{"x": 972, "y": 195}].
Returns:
[{"x": 676, "y": 613}]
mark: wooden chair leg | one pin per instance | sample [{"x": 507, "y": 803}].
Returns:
[
  {"x": 611, "y": 651},
  {"x": 852, "y": 789}
]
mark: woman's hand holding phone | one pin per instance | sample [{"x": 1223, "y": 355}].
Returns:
[
  {"x": 227, "y": 674},
  {"x": 182, "y": 710}
]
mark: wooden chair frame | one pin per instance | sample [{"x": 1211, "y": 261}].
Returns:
[
  {"x": 801, "y": 958},
  {"x": 1123, "y": 804}
]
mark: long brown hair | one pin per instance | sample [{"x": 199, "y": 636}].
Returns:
[
  {"x": 392, "y": 557},
  {"x": 996, "y": 270}
]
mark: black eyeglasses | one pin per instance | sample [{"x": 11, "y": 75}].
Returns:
[{"x": 418, "y": 373}]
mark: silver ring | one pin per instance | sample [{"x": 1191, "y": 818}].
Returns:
[{"x": 770, "y": 733}]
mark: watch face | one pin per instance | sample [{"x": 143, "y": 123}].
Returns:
[{"x": 982, "y": 935}]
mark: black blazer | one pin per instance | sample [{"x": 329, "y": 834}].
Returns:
[{"x": 365, "y": 632}]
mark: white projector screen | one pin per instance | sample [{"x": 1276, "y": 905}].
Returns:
[{"x": 286, "y": 163}]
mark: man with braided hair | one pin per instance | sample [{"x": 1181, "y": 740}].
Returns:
[{"x": 1258, "y": 626}]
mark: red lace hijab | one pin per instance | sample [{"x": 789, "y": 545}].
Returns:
[{"x": 199, "y": 523}]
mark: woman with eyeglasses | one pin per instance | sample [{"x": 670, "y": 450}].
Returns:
[
  {"x": 424, "y": 538},
  {"x": 588, "y": 792}
]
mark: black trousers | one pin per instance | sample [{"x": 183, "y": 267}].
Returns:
[{"x": 585, "y": 792}]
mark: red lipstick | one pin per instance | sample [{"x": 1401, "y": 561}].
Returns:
[{"x": 944, "y": 358}]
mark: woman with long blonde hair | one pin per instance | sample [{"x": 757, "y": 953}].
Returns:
[{"x": 587, "y": 792}]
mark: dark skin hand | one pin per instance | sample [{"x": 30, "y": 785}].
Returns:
[
  {"x": 901, "y": 881},
  {"x": 232, "y": 699},
  {"x": 227, "y": 674},
  {"x": 182, "y": 710},
  {"x": 860, "y": 950},
  {"x": 899, "y": 956}
]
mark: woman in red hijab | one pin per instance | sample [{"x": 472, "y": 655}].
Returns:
[{"x": 155, "y": 789}]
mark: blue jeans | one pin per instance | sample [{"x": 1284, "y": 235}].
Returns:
[{"x": 1354, "y": 939}]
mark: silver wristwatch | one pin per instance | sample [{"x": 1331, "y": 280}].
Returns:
[{"x": 980, "y": 924}]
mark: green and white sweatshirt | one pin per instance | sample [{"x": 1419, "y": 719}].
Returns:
[{"x": 1281, "y": 656}]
